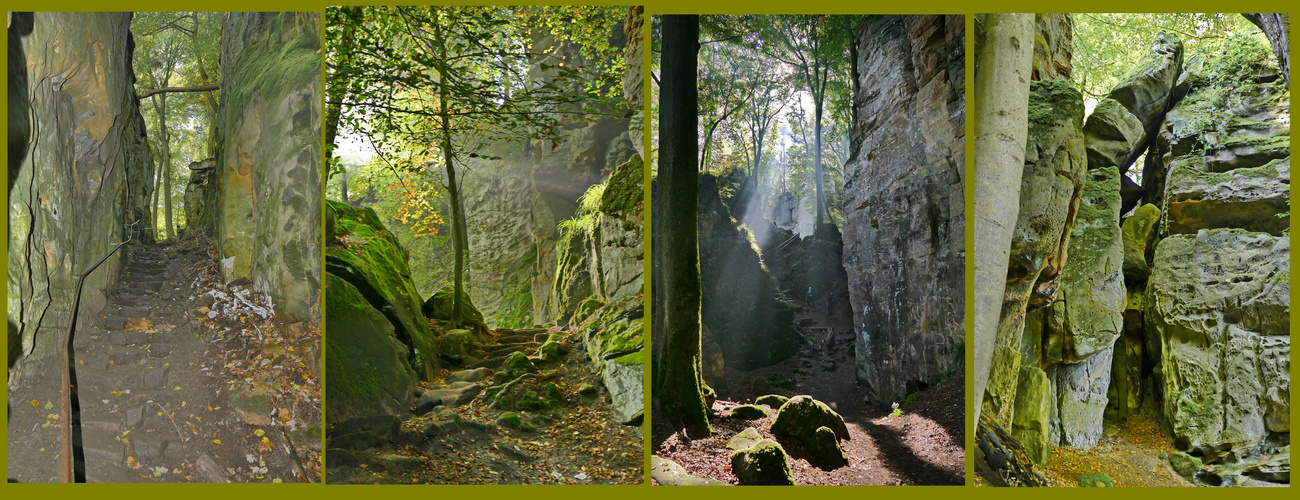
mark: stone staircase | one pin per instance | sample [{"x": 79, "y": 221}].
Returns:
[{"x": 127, "y": 366}]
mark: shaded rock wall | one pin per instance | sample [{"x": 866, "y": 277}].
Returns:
[
  {"x": 518, "y": 202},
  {"x": 268, "y": 132},
  {"x": 903, "y": 207},
  {"x": 87, "y": 175},
  {"x": 742, "y": 305}
]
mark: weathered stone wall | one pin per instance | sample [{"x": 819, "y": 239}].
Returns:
[
  {"x": 87, "y": 175},
  {"x": 904, "y": 215},
  {"x": 268, "y": 132}
]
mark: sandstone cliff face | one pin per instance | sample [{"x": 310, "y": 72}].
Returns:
[
  {"x": 1178, "y": 307},
  {"x": 525, "y": 270},
  {"x": 87, "y": 176},
  {"x": 268, "y": 131},
  {"x": 903, "y": 201}
]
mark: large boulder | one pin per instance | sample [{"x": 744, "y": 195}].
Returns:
[
  {"x": 1114, "y": 136},
  {"x": 364, "y": 253},
  {"x": 801, "y": 416},
  {"x": 1146, "y": 89},
  {"x": 1087, "y": 316},
  {"x": 1050, "y": 186},
  {"x": 368, "y": 368},
  {"x": 763, "y": 463},
  {"x": 1081, "y": 327},
  {"x": 669, "y": 473},
  {"x": 825, "y": 452},
  {"x": 439, "y": 305},
  {"x": 1219, "y": 303},
  {"x": 622, "y": 240},
  {"x": 1139, "y": 233},
  {"x": 614, "y": 337}
]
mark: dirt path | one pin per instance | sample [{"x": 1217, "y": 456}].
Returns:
[
  {"x": 924, "y": 445},
  {"x": 154, "y": 380},
  {"x": 557, "y": 427}
]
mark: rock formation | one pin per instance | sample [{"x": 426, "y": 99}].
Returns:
[
  {"x": 903, "y": 201},
  {"x": 1178, "y": 308},
  {"x": 268, "y": 129},
  {"x": 86, "y": 178}
]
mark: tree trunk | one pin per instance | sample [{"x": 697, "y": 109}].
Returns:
[
  {"x": 453, "y": 188},
  {"x": 681, "y": 388},
  {"x": 1277, "y": 27},
  {"x": 1002, "y": 75},
  {"x": 153, "y": 206},
  {"x": 343, "y": 178},
  {"x": 164, "y": 167},
  {"x": 817, "y": 159}
]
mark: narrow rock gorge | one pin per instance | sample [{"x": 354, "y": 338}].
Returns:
[
  {"x": 1144, "y": 336},
  {"x": 830, "y": 224},
  {"x": 178, "y": 342}
]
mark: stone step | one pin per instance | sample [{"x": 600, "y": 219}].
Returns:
[{"x": 103, "y": 449}]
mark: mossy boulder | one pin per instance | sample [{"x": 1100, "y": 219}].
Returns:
[
  {"x": 765, "y": 463},
  {"x": 549, "y": 351},
  {"x": 516, "y": 364},
  {"x": 509, "y": 419},
  {"x": 1185, "y": 465},
  {"x": 368, "y": 368},
  {"x": 585, "y": 308},
  {"x": 749, "y": 412},
  {"x": 1219, "y": 303},
  {"x": 614, "y": 337},
  {"x": 825, "y": 452},
  {"x": 1251, "y": 198},
  {"x": 1033, "y": 412},
  {"x": 1145, "y": 89},
  {"x": 744, "y": 439},
  {"x": 801, "y": 416},
  {"x": 1113, "y": 136},
  {"x": 773, "y": 401},
  {"x": 370, "y": 258},
  {"x": 456, "y": 345},
  {"x": 439, "y": 306}
]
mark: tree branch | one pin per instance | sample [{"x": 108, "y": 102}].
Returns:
[{"x": 197, "y": 88}]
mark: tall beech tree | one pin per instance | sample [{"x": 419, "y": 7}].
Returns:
[{"x": 680, "y": 387}]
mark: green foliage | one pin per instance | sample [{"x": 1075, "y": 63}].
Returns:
[{"x": 1106, "y": 46}]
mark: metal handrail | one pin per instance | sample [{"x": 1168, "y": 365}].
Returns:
[{"x": 65, "y": 394}]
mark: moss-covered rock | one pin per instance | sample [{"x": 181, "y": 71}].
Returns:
[
  {"x": 825, "y": 452},
  {"x": 799, "y": 418},
  {"x": 1185, "y": 465},
  {"x": 516, "y": 364},
  {"x": 369, "y": 257},
  {"x": 773, "y": 401},
  {"x": 439, "y": 306},
  {"x": 614, "y": 337},
  {"x": 1219, "y": 302},
  {"x": 1255, "y": 198},
  {"x": 1096, "y": 480},
  {"x": 744, "y": 439},
  {"x": 509, "y": 419},
  {"x": 1033, "y": 413},
  {"x": 368, "y": 366},
  {"x": 455, "y": 345},
  {"x": 1113, "y": 136},
  {"x": 268, "y": 127},
  {"x": 763, "y": 463},
  {"x": 749, "y": 412},
  {"x": 1139, "y": 232}
]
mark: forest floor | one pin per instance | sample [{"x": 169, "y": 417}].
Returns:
[
  {"x": 1132, "y": 452},
  {"x": 181, "y": 378},
  {"x": 571, "y": 436},
  {"x": 925, "y": 445}
]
